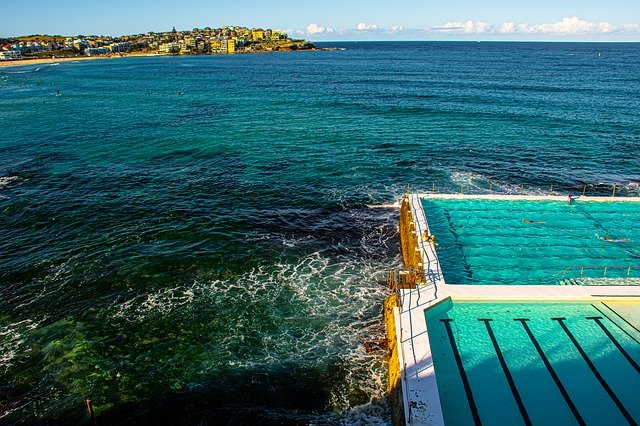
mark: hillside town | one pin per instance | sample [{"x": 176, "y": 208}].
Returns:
[{"x": 197, "y": 41}]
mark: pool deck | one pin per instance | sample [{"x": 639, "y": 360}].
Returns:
[{"x": 418, "y": 378}]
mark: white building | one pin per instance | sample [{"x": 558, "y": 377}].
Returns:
[
  {"x": 120, "y": 47},
  {"x": 10, "y": 55},
  {"x": 95, "y": 51}
]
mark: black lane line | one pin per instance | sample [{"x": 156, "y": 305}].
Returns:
[
  {"x": 507, "y": 373},
  {"x": 552, "y": 372},
  {"x": 621, "y": 317},
  {"x": 463, "y": 374},
  {"x": 615, "y": 323},
  {"x": 615, "y": 342},
  {"x": 595, "y": 372}
]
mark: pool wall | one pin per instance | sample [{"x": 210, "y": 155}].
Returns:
[{"x": 411, "y": 355}]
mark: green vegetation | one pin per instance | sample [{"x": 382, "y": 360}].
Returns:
[{"x": 51, "y": 54}]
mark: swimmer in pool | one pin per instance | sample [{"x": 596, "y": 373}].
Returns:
[
  {"x": 532, "y": 221},
  {"x": 613, "y": 240}
]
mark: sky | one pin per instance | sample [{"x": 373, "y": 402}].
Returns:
[{"x": 334, "y": 20}]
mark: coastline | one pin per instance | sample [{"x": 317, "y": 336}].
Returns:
[{"x": 39, "y": 61}]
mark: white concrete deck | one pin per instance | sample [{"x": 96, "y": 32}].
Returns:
[{"x": 420, "y": 390}]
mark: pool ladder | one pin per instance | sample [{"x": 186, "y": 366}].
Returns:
[{"x": 569, "y": 281}]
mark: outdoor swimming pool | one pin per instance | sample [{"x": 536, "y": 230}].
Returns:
[
  {"x": 536, "y": 363},
  {"x": 486, "y": 241}
]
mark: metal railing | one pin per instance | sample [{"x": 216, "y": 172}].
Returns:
[
  {"x": 599, "y": 190},
  {"x": 611, "y": 271},
  {"x": 404, "y": 279}
]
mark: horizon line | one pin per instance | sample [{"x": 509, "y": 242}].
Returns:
[{"x": 473, "y": 41}]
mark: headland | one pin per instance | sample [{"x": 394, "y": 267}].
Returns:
[{"x": 38, "y": 49}]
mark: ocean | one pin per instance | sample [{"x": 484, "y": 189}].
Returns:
[{"x": 205, "y": 239}]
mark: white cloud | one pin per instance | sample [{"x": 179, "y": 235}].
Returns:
[
  {"x": 468, "y": 27},
  {"x": 507, "y": 28},
  {"x": 568, "y": 26},
  {"x": 314, "y": 28},
  {"x": 629, "y": 28},
  {"x": 363, "y": 26},
  {"x": 571, "y": 27},
  {"x": 294, "y": 31}
]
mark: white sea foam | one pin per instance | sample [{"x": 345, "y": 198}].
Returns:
[
  {"x": 476, "y": 183},
  {"x": 375, "y": 414},
  {"x": 320, "y": 308},
  {"x": 395, "y": 205},
  {"x": 12, "y": 341},
  {"x": 7, "y": 181},
  {"x": 26, "y": 69}
]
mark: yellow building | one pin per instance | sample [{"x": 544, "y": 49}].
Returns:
[
  {"x": 190, "y": 42},
  {"x": 227, "y": 46},
  {"x": 277, "y": 35},
  {"x": 257, "y": 34},
  {"x": 215, "y": 45}
]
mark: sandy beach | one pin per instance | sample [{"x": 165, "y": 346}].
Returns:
[{"x": 22, "y": 62}]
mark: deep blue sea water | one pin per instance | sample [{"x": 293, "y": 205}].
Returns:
[{"x": 188, "y": 239}]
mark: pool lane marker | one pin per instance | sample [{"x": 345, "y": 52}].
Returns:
[
  {"x": 594, "y": 370},
  {"x": 507, "y": 373},
  {"x": 616, "y": 324},
  {"x": 615, "y": 342},
  {"x": 463, "y": 374},
  {"x": 620, "y": 316},
  {"x": 552, "y": 372}
]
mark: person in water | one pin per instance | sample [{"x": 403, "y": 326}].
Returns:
[{"x": 613, "y": 240}]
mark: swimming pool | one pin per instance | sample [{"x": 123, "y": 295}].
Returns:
[
  {"x": 486, "y": 241},
  {"x": 536, "y": 363}
]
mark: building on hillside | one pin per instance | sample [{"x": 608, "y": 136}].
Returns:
[
  {"x": 10, "y": 55},
  {"x": 120, "y": 47},
  {"x": 169, "y": 48},
  {"x": 80, "y": 44},
  {"x": 278, "y": 35},
  {"x": 257, "y": 34},
  {"x": 243, "y": 32},
  {"x": 190, "y": 43},
  {"x": 215, "y": 45},
  {"x": 228, "y": 46},
  {"x": 95, "y": 51}
]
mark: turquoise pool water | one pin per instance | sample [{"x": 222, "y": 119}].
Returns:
[
  {"x": 534, "y": 242},
  {"x": 535, "y": 363}
]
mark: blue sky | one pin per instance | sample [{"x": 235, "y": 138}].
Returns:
[{"x": 610, "y": 20}]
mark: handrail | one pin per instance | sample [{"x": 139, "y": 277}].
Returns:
[
  {"x": 605, "y": 269},
  {"x": 505, "y": 188},
  {"x": 419, "y": 232}
]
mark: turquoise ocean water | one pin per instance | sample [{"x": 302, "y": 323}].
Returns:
[{"x": 188, "y": 239}]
